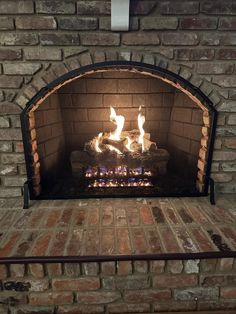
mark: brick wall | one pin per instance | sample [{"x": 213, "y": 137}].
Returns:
[
  {"x": 86, "y": 105},
  {"x": 50, "y": 135},
  {"x": 185, "y": 134},
  {"x": 41, "y": 40},
  {"x": 118, "y": 287}
]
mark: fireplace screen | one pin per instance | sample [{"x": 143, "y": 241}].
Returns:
[{"x": 118, "y": 129}]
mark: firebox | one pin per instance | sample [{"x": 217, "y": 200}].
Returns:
[{"x": 118, "y": 129}]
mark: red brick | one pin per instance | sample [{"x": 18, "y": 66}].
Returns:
[
  {"x": 93, "y": 216},
  {"x": 141, "y": 7},
  {"x": 174, "y": 281},
  {"x": 41, "y": 244},
  {"x": 80, "y": 309},
  {"x": 170, "y": 305},
  {"x": 226, "y": 54},
  {"x": 108, "y": 268},
  {"x": 128, "y": 308},
  {"x": 8, "y": 245},
  {"x": 58, "y": 242},
  {"x": 157, "y": 266},
  {"x": 108, "y": 241},
  {"x": 124, "y": 267},
  {"x": 49, "y": 298},
  {"x": 141, "y": 38},
  {"x": 98, "y": 297},
  {"x": 228, "y": 292},
  {"x": 218, "y": 7},
  {"x": 227, "y": 23},
  {"x": 146, "y": 216},
  {"x": 52, "y": 218},
  {"x": 195, "y": 54},
  {"x": 149, "y": 295},
  {"x": 36, "y": 270},
  {"x": 79, "y": 284},
  {"x": 198, "y": 23},
  {"x": 54, "y": 269},
  {"x": 123, "y": 241},
  {"x": 226, "y": 264},
  {"x": 35, "y": 22},
  {"x": 183, "y": 7},
  {"x": 3, "y": 271}
]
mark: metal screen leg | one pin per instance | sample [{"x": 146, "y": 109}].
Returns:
[
  {"x": 26, "y": 195},
  {"x": 212, "y": 191}
]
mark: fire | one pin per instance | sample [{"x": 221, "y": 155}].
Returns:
[
  {"x": 119, "y": 121},
  {"x": 134, "y": 141},
  {"x": 141, "y": 121}
]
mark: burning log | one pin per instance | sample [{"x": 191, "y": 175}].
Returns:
[{"x": 116, "y": 144}]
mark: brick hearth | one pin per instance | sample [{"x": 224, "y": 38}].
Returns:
[{"x": 118, "y": 227}]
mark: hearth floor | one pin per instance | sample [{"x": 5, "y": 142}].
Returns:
[{"x": 118, "y": 227}]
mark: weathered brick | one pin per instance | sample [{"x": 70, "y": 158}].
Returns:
[
  {"x": 12, "y": 299},
  {"x": 215, "y": 68},
  {"x": 10, "y": 54},
  {"x": 93, "y": 7},
  {"x": 80, "y": 284},
  {"x": 225, "y": 81},
  {"x": 98, "y": 297},
  {"x": 4, "y": 122},
  {"x": 174, "y": 281},
  {"x": 194, "y": 54},
  {"x": 3, "y": 271},
  {"x": 175, "y": 267},
  {"x": 159, "y": 23},
  {"x": 232, "y": 119},
  {"x": 12, "y": 158},
  {"x": 6, "y": 23},
  {"x": 124, "y": 267},
  {"x": 48, "y": 298},
  {"x": 18, "y": 39},
  {"x": 132, "y": 282},
  {"x": 10, "y": 134},
  {"x": 55, "y": 7},
  {"x": 230, "y": 142},
  {"x": 175, "y": 306},
  {"x": 198, "y": 23},
  {"x": 128, "y": 308},
  {"x": 90, "y": 269},
  {"x": 227, "y": 23},
  {"x": 100, "y": 39},
  {"x": 18, "y": 7},
  {"x": 183, "y": 7},
  {"x": 226, "y": 54},
  {"x": 21, "y": 68},
  {"x": 14, "y": 181},
  {"x": 208, "y": 265},
  {"x": 61, "y": 39},
  {"x": 108, "y": 268},
  {"x": 141, "y": 38},
  {"x": 35, "y": 22},
  {"x": 10, "y": 82},
  {"x": 196, "y": 293},
  {"x": 79, "y": 308},
  {"x": 226, "y": 264},
  {"x": 216, "y": 39},
  {"x": 11, "y": 192},
  {"x": 26, "y": 309},
  {"x": 228, "y": 292},
  {"x": 142, "y": 7},
  {"x": 157, "y": 266},
  {"x": 8, "y": 170},
  {"x": 36, "y": 270},
  {"x": 218, "y": 7},
  {"x": 141, "y": 267},
  {"x": 17, "y": 270},
  {"x": 77, "y": 23},
  {"x": 42, "y": 54},
  {"x": 149, "y": 295},
  {"x": 224, "y": 155}
]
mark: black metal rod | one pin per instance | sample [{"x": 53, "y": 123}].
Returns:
[
  {"x": 212, "y": 191},
  {"x": 106, "y": 258}
]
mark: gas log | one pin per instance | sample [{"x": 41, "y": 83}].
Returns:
[{"x": 156, "y": 161}]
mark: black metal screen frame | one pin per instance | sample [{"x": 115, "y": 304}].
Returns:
[{"x": 110, "y": 65}]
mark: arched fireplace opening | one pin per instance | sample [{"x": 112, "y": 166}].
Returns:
[{"x": 162, "y": 145}]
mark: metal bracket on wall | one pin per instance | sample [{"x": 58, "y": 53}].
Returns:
[
  {"x": 26, "y": 195},
  {"x": 212, "y": 191}
]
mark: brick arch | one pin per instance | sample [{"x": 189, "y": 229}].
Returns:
[
  {"x": 87, "y": 63},
  {"x": 46, "y": 82}
]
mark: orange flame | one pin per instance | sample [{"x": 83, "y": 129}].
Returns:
[
  {"x": 97, "y": 143},
  {"x": 141, "y": 121},
  {"x": 119, "y": 121}
]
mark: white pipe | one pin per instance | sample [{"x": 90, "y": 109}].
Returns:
[{"x": 120, "y": 15}]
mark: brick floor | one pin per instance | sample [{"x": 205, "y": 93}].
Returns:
[{"x": 117, "y": 227}]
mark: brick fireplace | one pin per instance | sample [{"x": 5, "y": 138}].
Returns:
[
  {"x": 61, "y": 68},
  {"x": 193, "y": 40}
]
